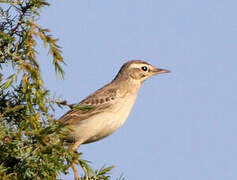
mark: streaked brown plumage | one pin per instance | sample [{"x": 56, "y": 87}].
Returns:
[{"x": 112, "y": 104}]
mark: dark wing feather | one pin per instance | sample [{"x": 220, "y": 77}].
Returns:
[{"x": 99, "y": 101}]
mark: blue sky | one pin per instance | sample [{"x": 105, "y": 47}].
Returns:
[{"x": 183, "y": 125}]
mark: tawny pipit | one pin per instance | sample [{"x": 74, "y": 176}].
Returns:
[{"x": 112, "y": 104}]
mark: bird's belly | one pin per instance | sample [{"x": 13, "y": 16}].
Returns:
[{"x": 105, "y": 123}]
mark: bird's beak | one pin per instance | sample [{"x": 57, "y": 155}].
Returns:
[{"x": 160, "y": 71}]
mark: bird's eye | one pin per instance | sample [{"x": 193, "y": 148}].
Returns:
[{"x": 144, "y": 68}]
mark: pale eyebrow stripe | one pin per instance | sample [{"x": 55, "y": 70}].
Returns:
[{"x": 138, "y": 65}]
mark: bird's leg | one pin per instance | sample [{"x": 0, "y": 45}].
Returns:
[{"x": 75, "y": 146}]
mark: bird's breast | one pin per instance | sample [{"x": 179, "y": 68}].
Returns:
[
  {"x": 109, "y": 121},
  {"x": 119, "y": 113}
]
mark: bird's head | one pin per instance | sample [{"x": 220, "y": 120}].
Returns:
[{"x": 138, "y": 71}]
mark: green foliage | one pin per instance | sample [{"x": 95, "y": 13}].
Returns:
[
  {"x": 79, "y": 107},
  {"x": 30, "y": 137}
]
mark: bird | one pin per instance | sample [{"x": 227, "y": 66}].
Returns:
[{"x": 110, "y": 105}]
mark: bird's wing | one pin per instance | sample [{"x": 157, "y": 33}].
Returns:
[{"x": 96, "y": 103}]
